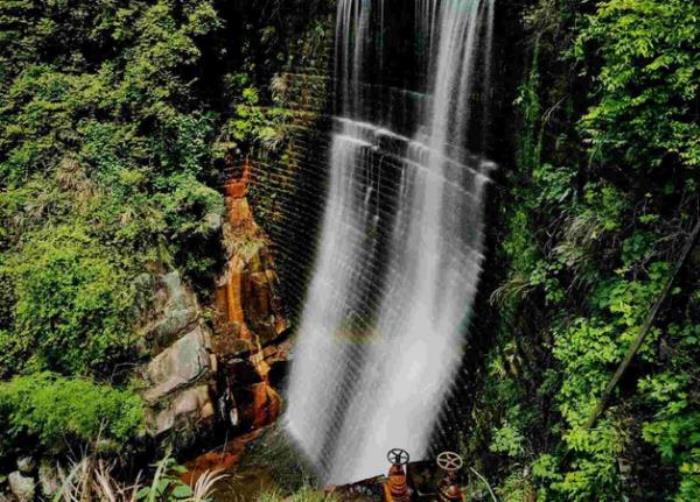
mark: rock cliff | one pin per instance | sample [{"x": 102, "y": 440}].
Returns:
[{"x": 201, "y": 373}]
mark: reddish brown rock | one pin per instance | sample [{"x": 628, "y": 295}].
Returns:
[
  {"x": 248, "y": 303},
  {"x": 266, "y": 405}
]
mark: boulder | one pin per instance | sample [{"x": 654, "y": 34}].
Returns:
[
  {"x": 195, "y": 401},
  {"x": 22, "y": 487},
  {"x": 181, "y": 365}
]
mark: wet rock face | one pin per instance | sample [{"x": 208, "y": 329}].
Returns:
[
  {"x": 258, "y": 405},
  {"x": 266, "y": 405},
  {"x": 250, "y": 316},
  {"x": 248, "y": 301},
  {"x": 252, "y": 381},
  {"x": 263, "y": 306}
]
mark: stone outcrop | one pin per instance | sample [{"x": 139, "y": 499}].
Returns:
[
  {"x": 195, "y": 376},
  {"x": 180, "y": 378},
  {"x": 192, "y": 406}
]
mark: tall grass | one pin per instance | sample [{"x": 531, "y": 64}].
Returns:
[
  {"x": 91, "y": 478},
  {"x": 306, "y": 494}
]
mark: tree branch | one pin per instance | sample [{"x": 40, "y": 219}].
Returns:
[{"x": 646, "y": 328}]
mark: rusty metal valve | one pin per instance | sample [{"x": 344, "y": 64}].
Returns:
[
  {"x": 397, "y": 456},
  {"x": 396, "y": 488},
  {"x": 449, "y": 489},
  {"x": 450, "y": 461}
]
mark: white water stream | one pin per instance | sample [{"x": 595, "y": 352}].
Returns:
[{"x": 381, "y": 337}]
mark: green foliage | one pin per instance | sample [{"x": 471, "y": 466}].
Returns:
[
  {"x": 507, "y": 440},
  {"x": 649, "y": 82},
  {"x": 102, "y": 164},
  {"x": 306, "y": 494},
  {"x": 55, "y": 411},
  {"x": 252, "y": 125},
  {"x": 68, "y": 317},
  {"x": 674, "y": 427},
  {"x": 166, "y": 484},
  {"x": 106, "y": 164},
  {"x": 114, "y": 118},
  {"x": 592, "y": 234},
  {"x": 124, "y": 117}
]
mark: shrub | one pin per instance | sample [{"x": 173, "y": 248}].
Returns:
[
  {"x": 71, "y": 304},
  {"x": 54, "y": 411}
]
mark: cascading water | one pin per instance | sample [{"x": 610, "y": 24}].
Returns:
[{"x": 381, "y": 335}]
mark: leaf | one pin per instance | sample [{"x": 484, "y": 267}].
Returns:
[{"x": 182, "y": 491}]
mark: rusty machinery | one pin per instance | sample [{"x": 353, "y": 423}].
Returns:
[
  {"x": 396, "y": 487},
  {"x": 448, "y": 488}
]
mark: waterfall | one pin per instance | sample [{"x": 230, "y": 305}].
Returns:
[{"x": 381, "y": 335}]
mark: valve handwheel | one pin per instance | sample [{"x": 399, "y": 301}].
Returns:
[
  {"x": 450, "y": 461},
  {"x": 397, "y": 456}
]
